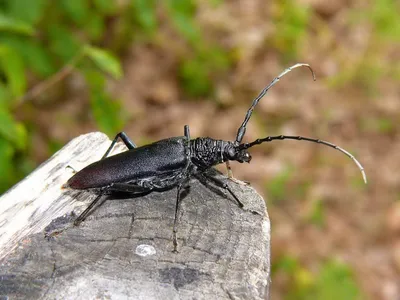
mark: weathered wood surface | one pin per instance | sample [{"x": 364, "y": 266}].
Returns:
[{"x": 124, "y": 249}]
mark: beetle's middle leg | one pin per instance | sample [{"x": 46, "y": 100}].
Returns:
[
  {"x": 127, "y": 141},
  {"x": 223, "y": 185},
  {"x": 174, "y": 230}
]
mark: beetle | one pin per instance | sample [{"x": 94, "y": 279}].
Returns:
[{"x": 171, "y": 162}]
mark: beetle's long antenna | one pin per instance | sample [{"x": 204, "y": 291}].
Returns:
[
  {"x": 291, "y": 137},
  {"x": 242, "y": 128}
]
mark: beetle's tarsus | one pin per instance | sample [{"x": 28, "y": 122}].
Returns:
[
  {"x": 70, "y": 167},
  {"x": 240, "y": 182}
]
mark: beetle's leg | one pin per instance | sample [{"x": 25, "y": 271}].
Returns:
[
  {"x": 186, "y": 131},
  {"x": 115, "y": 187},
  {"x": 127, "y": 188},
  {"x": 230, "y": 175},
  {"x": 223, "y": 185},
  {"x": 127, "y": 141},
  {"x": 70, "y": 167},
  {"x": 86, "y": 212},
  {"x": 229, "y": 169},
  {"x": 174, "y": 230}
]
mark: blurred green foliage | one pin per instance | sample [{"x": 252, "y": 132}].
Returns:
[
  {"x": 277, "y": 187},
  {"x": 333, "y": 280},
  {"x": 43, "y": 40},
  {"x": 46, "y": 40},
  {"x": 317, "y": 213},
  {"x": 196, "y": 69},
  {"x": 373, "y": 62},
  {"x": 291, "y": 21}
]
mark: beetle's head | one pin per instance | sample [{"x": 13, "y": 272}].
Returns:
[
  {"x": 238, "y": 154},
  {"x": 243, "y": 156}
]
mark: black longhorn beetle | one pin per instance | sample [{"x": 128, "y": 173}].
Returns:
[{"x": 171, "y": 162}]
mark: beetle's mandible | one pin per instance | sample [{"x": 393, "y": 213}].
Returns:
[{"x": 172, "y": 162}]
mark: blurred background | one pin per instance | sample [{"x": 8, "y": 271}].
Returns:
[{"x": 148, "y": 67}]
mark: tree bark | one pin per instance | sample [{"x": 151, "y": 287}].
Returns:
[{"x": 124, "y": 248}]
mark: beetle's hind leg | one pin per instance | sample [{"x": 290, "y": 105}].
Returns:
[
  {"x": 86, "y": 212},
  {"x": 124, "y": 137},
  {"x": 115, "y": 187}
]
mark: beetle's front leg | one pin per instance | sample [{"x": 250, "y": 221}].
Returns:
[
  {"x": 230, "y": 175},
  {"x": 229, "y": 169}
]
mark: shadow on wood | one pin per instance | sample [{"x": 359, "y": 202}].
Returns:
[{"x": 124, "y": 249}]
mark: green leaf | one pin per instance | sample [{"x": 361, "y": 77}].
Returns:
[
  {"x": 94, "y": 26},
  {"x": 105, "y": 7},
  {"x": 15, "y": 26},
  {"x": 12, "y": 66},
  {"x": 182, "y": 14},
  {"x": 95, "y": 80},
  {"x": 105, "y": 61},
  {"x": 35, "y": 56},
  {"x": 11, "y": 130},
  {"x": 7, "y": 174},
  {"x": 77, "y": 10},
  {"x": 5, "y": 95},
  {"x": 27, "y": 11},
  {"x": 63, "y": 42},
  {"x": 145, "y": 14}
]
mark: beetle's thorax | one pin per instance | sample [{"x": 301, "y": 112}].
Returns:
[{"x": 207, "y": 152}]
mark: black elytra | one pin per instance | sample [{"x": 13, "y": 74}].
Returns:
[{"x": 173, "y": 161}]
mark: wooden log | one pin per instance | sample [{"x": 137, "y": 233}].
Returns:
[{"x": 124, "y": 249}]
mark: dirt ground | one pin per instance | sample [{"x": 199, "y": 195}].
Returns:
[{"x": 359, "y": 224}]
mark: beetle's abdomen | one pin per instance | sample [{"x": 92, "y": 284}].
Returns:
[{"x": 163, "y": 157}]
